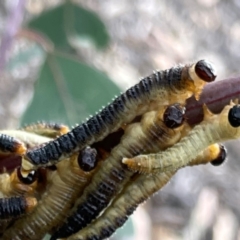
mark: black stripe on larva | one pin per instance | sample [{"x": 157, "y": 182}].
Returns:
[
  {"x": 80, "y": 134},
  {"x": 131, "y": 93},
  {"x": 67, "y": 142},
  {"x": 93, "y": 237},
  {"x": 53, "y": 150},
  {"x": 107, "y": 232},
  {"x": 95, "y": 202},
  {"x": 118, "y": 174},
  {"x": 38, "y": 156},
  {"x": 107, "y": 116},
  {"x": 118, "y": 104},
  {"x": 94, "y": 126},
  {"x": 12, "y": 207},
  {"x": 145, "y": 85},
  {"x": 7, "y": 143}
]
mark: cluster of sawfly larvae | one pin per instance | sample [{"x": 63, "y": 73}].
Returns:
[{"x": 84, "y": 183}]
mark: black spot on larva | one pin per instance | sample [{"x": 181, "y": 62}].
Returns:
[
  {"x": 234, "y": 116},
  {"x": 205, "y": 71}
]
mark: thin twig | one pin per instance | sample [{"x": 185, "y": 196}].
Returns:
[{"x": 215, "y": 95}]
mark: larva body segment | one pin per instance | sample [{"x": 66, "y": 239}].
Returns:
[
  {"x": 122, "y": 207},
  {"x": 51, "y": 130},
  {"x": 10, "y": 145},
  {"x": 133, "y": 194},
  {"x": 16, "y": 206},
  {"x": 214, "y": 128},
  {"x": 161, "y": 88},
  {"x": 67, "y": 184},
  {"x": 112, "y": 176}
]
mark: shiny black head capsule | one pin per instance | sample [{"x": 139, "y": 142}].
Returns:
[
  {"x": 221, "y": 157},
  {"x": 174, "y": 116},
  {"x": 31, "y": 177},
  {"x": 87, "y": 159},
  {"x": 234, "y": 116},
  {"x": 205, "y": 71}
]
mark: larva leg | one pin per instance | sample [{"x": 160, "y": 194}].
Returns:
[
  {"x": 16, "y": 206},
  {"x": 159, "y": 89},
  {"x": 112, "y": 176},
  {"x": 67, "y": 184},
  {"x": 135, "y": 193},
  {"x": 214, "y": 128},
  {"x": 51, "y": 130}
]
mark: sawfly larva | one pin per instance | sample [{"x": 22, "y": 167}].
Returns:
[
  {"x": 161, "y": 88},
  {"x": 67, "y": 185},
  {"x": 134, "y": 193},
  {"x": 214, "y": 128},
  {"x": 112, "y": 176}
]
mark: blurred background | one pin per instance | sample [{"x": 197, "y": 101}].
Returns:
[{"x": 63, "y": 60}]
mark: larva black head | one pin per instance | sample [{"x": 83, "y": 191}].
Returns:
[
  {"x": 205, "y": 71},
  {"x": 31, "y": 177},
  {"x": 174, "y": 116},
  {"x": 87, "y": 159},
  {"x": 234, "y": 116},
  {"x": 221, "y": 157}
]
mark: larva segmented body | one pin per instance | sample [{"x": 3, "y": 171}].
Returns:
[
  {"x": 135, "y": 193},
  {"x": 51, "y": 130},
  {"x": 11, "y": 145},
  {"x": 161, "y": 88},
  {"x": 214, "y": 128},
  {"x": 112, "y": 176},
  {"x": 16, "y": 206},
  {"x": 67, "y": 184}
]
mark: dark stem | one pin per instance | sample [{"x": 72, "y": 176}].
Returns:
[{"x": 215, "y": 95}]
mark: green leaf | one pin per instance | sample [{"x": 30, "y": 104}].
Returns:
[
  {"x": 68, "y": 91},
  {"x": 24, "y": 58},
  {"x": 70, "y": 21}
]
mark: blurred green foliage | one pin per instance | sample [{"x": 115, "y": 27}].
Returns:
[{"x": 67, "y": 90}]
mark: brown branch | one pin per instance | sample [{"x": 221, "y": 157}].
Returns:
[{"x": 215, "y": 95}]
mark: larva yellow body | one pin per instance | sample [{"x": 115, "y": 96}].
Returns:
[
  {"x": 51, "y": 130},
  {"x": 138, "y": 137},
  {"x": 214, "y": 128},
  {"x": 132, "y": 195},
  {"x": 67, "y": 184}
]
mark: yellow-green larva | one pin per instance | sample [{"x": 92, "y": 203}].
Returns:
[
  {"x": 135, "y": 193},
  {"x": 214, "y": 128}
]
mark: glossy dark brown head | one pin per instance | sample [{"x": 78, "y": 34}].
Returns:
[
  {"x": 31, "y": 177},
  {"x": 221, "y": 157},
  {"x": 87, "y": 159},
  {"x": 174, "y": 116},
  {"x": 234, "y": 116},
  {"x": 205, "y": 71}
]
